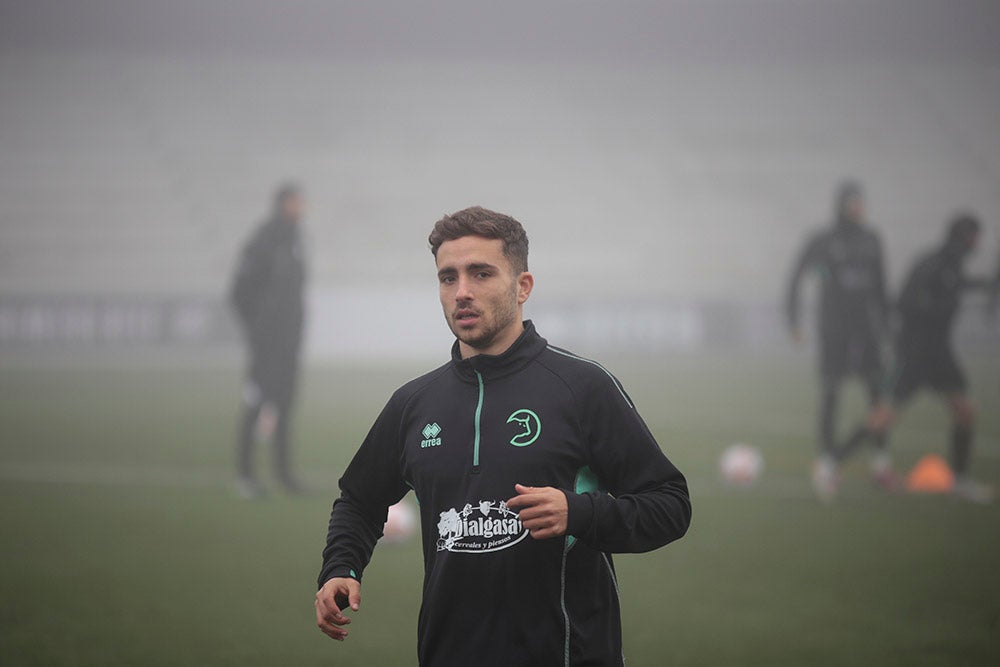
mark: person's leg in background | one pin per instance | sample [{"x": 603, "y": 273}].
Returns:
[
  {"x": 248, "y": 486},
  {"x": 826, "y": 475},
  {"x": 284, "y": 406},
  {"x": 877, "y": 432},
  {"x": 963, "y": 422},
  {"x": 283, "y": 449}
]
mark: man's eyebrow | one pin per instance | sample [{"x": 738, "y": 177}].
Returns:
[{"x": 477, "y": 266}]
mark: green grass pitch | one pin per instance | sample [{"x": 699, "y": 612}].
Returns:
[{"x": 122, "y": 543}]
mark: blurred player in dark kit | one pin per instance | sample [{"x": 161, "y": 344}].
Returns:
[
  {"x": 925, "y": 356},
  {"x": 847, "y": 258},
  {"x": 267, "y": 294}
]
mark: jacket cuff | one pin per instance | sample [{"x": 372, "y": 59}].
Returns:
[
  {"x": 580, "y": 513},
  {"x": 338, "y": 572}
]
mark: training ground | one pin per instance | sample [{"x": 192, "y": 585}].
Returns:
[{"x": 123, "y": 543}]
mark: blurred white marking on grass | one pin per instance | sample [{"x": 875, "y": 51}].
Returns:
[
  {"x": 106, "y": 474},
  {"x": 778, "y": 434},
  {"x": 771, "y": 487}
]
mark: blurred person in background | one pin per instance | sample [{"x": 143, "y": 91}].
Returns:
[
  {"x": 847, "y": 258},
  {"x": 925, "y": 356},
  {"x": 267, "y": 295}
]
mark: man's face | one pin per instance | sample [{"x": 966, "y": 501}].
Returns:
[
  {"x": 854, "y": 208},
  {"x": 971, "y": 242},
  {"x": 293, "y": 207},
  {"x": 480, "y": 293}
]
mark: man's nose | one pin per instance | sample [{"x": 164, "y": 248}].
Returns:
[{"x": 464, "y": 291}]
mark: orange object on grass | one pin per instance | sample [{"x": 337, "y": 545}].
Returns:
[{"x": 930, "y": 475}]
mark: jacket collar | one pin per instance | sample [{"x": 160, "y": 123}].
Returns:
[
  {"x": 845, "y": 227},
  {"x": 493, "y": 366},
  {"x": 283, "y": 229}
]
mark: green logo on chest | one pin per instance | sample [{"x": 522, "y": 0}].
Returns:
[{"x": 531, "y": 427}]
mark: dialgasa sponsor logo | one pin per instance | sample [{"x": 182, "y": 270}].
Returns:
[{"x": 480, "y": 528}]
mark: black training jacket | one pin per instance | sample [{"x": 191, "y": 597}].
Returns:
[
  {"x": 853, "y": 302},
  {"x": 267, "y": 290},
  {"x": 460, "y": 437},
  {"x": 930, "y": 298},
  {"x": 932, "y": 294}
]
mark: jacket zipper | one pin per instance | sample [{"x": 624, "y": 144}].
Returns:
[{"x": 479, "y": 412}]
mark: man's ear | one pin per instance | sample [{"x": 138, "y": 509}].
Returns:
[{"x": 525, "y": 282}]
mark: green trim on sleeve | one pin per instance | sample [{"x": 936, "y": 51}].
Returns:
[{"x": 586, "y": 481}]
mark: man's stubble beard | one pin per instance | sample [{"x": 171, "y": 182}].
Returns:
[{"x": 504, "y": 316}]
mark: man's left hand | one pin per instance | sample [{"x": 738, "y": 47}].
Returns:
[{"x": 543, "y": 510}]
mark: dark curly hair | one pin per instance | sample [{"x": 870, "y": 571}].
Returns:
[{"x": 479, "y": 221}]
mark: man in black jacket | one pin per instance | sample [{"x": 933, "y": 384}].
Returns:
[
  {"x": 531, "y": 467},
  {"x": 847, "y": 258},
  {"x": 267, "y": 294},
  {"x": 925, "y": 355}
]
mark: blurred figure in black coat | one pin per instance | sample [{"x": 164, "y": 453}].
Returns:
[
  {"x": 267, "y": 294},
  {"x": 847, "y": 258}
]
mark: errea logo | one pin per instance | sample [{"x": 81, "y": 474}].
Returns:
[{"x": 431, "y": 433}]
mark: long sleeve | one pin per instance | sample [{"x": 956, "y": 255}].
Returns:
[
  {"x": 994, "y": 293},
  {"x": 917, "y": 298},
  {"x": 646, "y": 504},
  {"x": 250, "y": 278},
  {"x": 988, "y": 284},
  {"x": 804, "y": 262},
  {"x": 881, "y": 289},
  {"x": 371, "y": 483}
]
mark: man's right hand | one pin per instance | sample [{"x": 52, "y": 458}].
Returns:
[{"x": 335, "y": 593}]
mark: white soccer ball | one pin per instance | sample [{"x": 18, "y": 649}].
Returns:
[
  {"x": 400, "y": 523},
  {"x": 741, "y": 464}
]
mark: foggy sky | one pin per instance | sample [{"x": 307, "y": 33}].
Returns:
[
  {"x": 518, "y": 30},
  {"x": 684, "y": 148}
]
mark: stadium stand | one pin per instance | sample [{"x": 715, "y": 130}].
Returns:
[{"x": 141, "y": 175}]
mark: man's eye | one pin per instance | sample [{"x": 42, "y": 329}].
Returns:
[
  {"x": 447, "y": 280},
  {"x": 482, "y": 275}
]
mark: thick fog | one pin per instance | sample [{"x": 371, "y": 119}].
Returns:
[{"x": 675, "y": 154}]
